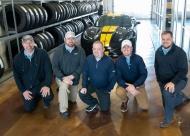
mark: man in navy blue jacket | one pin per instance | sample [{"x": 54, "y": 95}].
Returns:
[
  {"x": 99, "y": 76},
  {"x": 171, "y": 73},
  {"x": 131, "y": 75},
  {"x": 32, "y": 72}
]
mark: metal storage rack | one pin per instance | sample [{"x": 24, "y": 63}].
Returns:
[{"x": 10, "y": 35}]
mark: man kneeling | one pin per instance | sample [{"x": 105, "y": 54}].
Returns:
[{"x": 131, "y": 75}]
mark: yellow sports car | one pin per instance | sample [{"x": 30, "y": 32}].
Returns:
[{"x": 111, "y": 30}]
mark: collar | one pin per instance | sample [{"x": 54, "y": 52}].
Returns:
[
  {"x": 98, "y": 59},
  {"x": 28, "y": 56},
  {"x": 165, "y": 51},
  {"x": 131, "y": 56},
  {"x": 69, "y": 49}
]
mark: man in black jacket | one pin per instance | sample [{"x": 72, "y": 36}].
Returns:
[
  {"x": 68, "y": 61},
  {"x": 171, "y": 70},
  {"x": 33, "y": 74}
]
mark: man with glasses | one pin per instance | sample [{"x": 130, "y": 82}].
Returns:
[{"x": 68, "y": 61}]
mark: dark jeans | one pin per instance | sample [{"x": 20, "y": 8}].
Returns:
[
  {"x": 29, "y": 105},
  {"x": 103, "y": 97},
  {"x": 171, "y": 100}
]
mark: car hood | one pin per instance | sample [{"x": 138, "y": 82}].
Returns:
[{"x": 110, "y": 36}]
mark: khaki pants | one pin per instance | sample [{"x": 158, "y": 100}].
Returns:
[
  {"x": 142, "y": 98},
  {"x": 66, "y": 92}
]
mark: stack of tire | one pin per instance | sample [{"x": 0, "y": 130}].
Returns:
[
  {"x": 44, "y": 40},
  {"x": 58, "y": 32},
  {"x": 28, "y": 16},
  {"x": 31, "y": 16},
  {"x": 50, "y": 38},
  {"x": 2, "y": 68}
]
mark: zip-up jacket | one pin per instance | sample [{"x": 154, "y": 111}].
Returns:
[
  {"x": 171, "y": 67},
  {"x": 134, "y": 73},
  {"x": 101, "y": 73},
  {"x": 28, "y": 74},
  {"x": 65, "y": 63}
]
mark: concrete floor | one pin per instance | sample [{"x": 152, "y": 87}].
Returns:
[{"x": 14, "y": 121}]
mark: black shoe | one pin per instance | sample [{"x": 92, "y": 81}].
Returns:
[
  {"x": 46, "y": 105},
  {"x": 65, "y": 115},
  {"x": 124, "y": 105},
  {"x": 166, "y": 123},
  {"x": 89, "y": 108},
  {"x": 57, "y": 89}
]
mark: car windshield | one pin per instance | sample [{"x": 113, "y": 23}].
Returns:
[{"x": 105, "y": 20}]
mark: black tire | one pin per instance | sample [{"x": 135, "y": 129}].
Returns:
[
  {"x": 64, "y": 12},
  {"x": 47, "y": 39},
  {"x": 41, "y": 18},
  {"x": 67, "y": 14},
  {"x": 93, "y": 6},
  {"x": 32, "y": 16},
  {"x": 52, "y": 13},
  {"x": 71, "y": 9},
  {"x": 63, "y": 30},
  {"x": 88, "y": 8},
  {"x": 77, "y": 27},
  {"x": 70, "y": 27},
  {"x": 74, "y": 10},
  {"x": 43, "y": 40},
  {"x": 38, "y": 42},
  {"x": 51, "y": 39},
  {"x": 36, "y": 14},
  {"x": 80, "y": 24},
  {"x": 45, "y": 15},
  {"x": 27, "y": 14},
  {"x": 94, "y": 18},
  {"x": 2, "y": 68},
  {"x": 57, "y": 34},
  {"x": 59, "y": 10},
  {"x": 21, "y": 15},
  {"x": 97, "y": 5},
  {"x": 77, "y": 4}
]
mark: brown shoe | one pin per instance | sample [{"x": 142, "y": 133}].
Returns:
[{"x": 124, "y": 105}]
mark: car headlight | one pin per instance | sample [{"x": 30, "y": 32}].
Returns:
[
  {"x": 129, "y": 35},
  {"x": 96, "y": 36}
]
